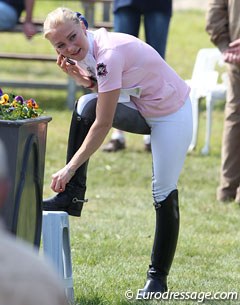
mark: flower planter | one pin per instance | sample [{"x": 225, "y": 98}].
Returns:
[{"x": 25, "y": 142}]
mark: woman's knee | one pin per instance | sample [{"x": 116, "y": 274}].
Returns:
[{"x": 86, "y": 106}]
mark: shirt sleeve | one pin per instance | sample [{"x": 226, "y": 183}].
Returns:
[{"x": 110, "y": 65}]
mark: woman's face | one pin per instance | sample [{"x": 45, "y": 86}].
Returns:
[{"x": 70, "y": 40}]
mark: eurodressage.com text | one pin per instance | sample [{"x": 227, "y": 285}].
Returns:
[{"x": 184, "y": 295}]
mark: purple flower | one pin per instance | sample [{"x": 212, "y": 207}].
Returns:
[
  {"x": 19, "y": 98},
  {"x": 16, "y": 107}
]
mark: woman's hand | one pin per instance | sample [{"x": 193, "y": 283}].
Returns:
[
  {"x": 73, "y": 70},
  {"x": 105, "y": 110},
  {"x": 61, "y": 178}
]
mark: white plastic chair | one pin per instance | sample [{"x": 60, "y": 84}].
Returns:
[{"x": 204, "y": 84}]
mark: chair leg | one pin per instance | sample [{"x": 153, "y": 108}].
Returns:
[
  {"x": 195, "y": 113},
  {"x": 209, "y": 107}
]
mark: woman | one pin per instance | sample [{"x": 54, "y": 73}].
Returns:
[{"x": 136, "y": 92}]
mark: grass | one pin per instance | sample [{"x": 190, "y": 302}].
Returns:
[{"x": 111, "y": 243}]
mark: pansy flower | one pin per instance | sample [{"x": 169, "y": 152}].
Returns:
[
  {"x": 32, "y": 104},
  {"x": 19, "y": 99},
  {"x": 4, "y": 99},
  {"x": 17, "y": 108}
]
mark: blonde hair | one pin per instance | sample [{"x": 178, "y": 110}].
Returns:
[{"x": 57, "y": 17}]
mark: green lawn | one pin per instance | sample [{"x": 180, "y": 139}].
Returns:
[{"x": 111, "y": 242}]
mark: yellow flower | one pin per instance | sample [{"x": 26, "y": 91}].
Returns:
[
  {"x": 4, "y": 99},
  {"x": 14, "y": 107},
  {"x": 14, "y": 103}
]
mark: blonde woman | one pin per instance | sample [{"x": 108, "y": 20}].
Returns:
[{"x": 136, "y": 91}]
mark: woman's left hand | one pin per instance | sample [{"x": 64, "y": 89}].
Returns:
[
  {"x": 61, "y": 178},
  {"x": 105, "y": 109}
]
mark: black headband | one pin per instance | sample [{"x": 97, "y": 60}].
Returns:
[{"x": 82, "y": 18}]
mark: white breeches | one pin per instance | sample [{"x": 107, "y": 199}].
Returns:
[{"x": 170, "y": 138}]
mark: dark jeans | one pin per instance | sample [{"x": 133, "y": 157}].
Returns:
[{"x": 127, "y": 20}]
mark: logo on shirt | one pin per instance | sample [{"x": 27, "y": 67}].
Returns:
[{"x": 101, "y": 69}]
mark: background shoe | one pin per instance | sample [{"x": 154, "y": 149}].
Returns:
[
  {"x": 113, "y": 146},
  {"x": 226, "y": 194},
  {"x": 226, "y": 199}
]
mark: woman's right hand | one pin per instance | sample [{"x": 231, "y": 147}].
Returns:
[{"x": 73, "y": 71}]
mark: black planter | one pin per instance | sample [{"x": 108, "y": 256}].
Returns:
[{"x": 25, "y": 142}]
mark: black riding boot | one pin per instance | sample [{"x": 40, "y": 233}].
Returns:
[
  {"x": 72, "y": 199},
  {"x": 126, "y": 118},
  {"x": 165, "y": 242}
]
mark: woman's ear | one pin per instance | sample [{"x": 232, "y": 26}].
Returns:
[{"x": 83, "y": 26}]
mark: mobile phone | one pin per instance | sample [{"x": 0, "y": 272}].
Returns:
[{"x": 71, "y": 62}]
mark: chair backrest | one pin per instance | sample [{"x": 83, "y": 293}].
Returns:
[{"x": 205, "y": 75}]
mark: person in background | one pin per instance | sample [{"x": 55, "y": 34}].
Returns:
[
  {"x": 223, "y": 26},
  {"x": 127, "y": 19},
  {"x": 24, "y": 277},
  {"x": 11, "y": 10}
]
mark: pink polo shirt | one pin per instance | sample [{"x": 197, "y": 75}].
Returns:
[{"x": 124, "y": 62}]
